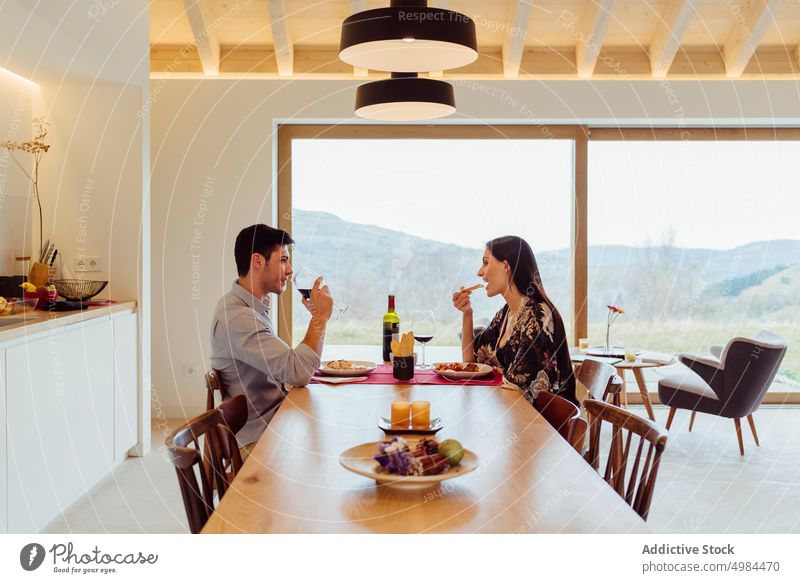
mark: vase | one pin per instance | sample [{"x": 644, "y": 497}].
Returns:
[{"x": 608, "y": 340}]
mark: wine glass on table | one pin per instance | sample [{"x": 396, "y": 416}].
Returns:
[
  {"x": 424, "y": 327},
  {"x": 304, "y": 279}
]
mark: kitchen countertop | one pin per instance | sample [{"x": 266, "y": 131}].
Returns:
[{"x": 42, "y": 320}]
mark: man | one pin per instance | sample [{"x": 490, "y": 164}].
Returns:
[{"x": 251, "y": 359}]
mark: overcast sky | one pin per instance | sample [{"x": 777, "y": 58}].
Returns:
[{"x": 710, "y": 194}]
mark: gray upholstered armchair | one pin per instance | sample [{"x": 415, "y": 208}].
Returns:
[{"x": 731, "y": 382}]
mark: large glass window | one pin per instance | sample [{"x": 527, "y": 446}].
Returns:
[
  {"x": 411, "y": 217},
  {"x": 699, "y": 242}
]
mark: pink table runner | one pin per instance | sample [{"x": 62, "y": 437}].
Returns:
[{"x": 383, "y": 376}]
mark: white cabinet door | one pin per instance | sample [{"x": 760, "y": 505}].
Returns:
[
  {"x": 3, "y": 486},
  {"x": 125, "y": 385},
  {"x": 60, "y": 398}
]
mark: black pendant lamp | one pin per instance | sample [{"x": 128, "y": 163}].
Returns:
[
  {"x": 405, "y": 39},
  {"x": 405, "y": 97},
  {"x": 408, "y": 37}
]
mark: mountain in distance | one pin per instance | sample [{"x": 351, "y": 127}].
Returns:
[{"x": 363, "y": 263}]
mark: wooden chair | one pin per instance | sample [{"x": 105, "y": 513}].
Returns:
[
  {"x": 601, "y": 380},
  {"x": 641, "y": 477},
  {"x": 200, "y": 474},
  {"x": 564, "y": 416},
  {"x": 213, "y": 386}
]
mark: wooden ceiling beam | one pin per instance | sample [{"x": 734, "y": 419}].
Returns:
[
  {"x": 669, "y": 32},
  {"x": 591, "y": 35},
  {"x": 748, "y": 30},
  {"x": 197, "y": 11},
  {"x": 243, "y": 61},
  {"x": 443, "y": 4},
  {"x": 284, "y": 48},
  {"x": 355, "y": 7},
  {"x": 517, "y": 31}
]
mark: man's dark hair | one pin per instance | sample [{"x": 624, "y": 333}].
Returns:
[{"x": 257, "y": 239}]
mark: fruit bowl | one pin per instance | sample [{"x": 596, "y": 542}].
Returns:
[
  {"x": 79, "y": 289},
  {"x": 17, "y": 305}
]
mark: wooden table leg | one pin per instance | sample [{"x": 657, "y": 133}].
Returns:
[
  {"x": 637, "y": 372},
  {"x": 624, "y": 391}
]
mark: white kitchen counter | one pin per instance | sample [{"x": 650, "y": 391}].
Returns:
[
  {"x": 69, "y": 413},
  {"x": 44, "y": 321}
]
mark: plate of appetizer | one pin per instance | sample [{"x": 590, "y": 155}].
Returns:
[
  {"x": 409, "y": 462},
  {"x": 346, "y": 368},
  {"x": 462, "y": 370}
]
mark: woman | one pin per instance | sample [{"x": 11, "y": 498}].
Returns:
[{"x": 526, "y": 338}]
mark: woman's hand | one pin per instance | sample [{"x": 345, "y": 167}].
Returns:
[{"x": 461, "y": 301}]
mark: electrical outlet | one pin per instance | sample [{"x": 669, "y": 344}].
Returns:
[
  {"x": 93, "y": 264},
  {"x": 189, "y": 369},
  {"x": 88, "y": 264}
]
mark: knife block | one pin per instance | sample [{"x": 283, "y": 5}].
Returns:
[{"x": 38, "y": 274}]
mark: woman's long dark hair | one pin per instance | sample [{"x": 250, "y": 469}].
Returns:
[{"x": 525, "y": 275}]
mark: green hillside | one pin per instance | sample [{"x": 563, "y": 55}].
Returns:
[{"x": 674, "y": 298}]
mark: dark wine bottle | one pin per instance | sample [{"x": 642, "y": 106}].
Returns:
[{"x": 391, "y": 329}]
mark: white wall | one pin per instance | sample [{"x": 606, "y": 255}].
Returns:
[
  {"x": 96, "y": 207},
  {"x": 212, "y": 161},
  {"x": 90, "y": 63},
  {"x": 16, "y": 100}
]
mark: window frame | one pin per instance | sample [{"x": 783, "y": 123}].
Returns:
[{"x": 580, "y": 134}]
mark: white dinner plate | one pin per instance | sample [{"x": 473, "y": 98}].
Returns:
[
  {"x": 359, "y": 460},
  {"x": 360, "y": 368},
  {"x": 483, "y": 370}
]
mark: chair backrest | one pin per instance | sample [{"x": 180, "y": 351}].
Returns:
[
  {"x": 564, "y": 416},
  {"x": 213, "y": 385},
  {"x": 206, "y": 458},
  {"x": 234, "y": 416},
  {"x": 632, "y": 479},
  {"x": 750, "y": 366},
  {"x": 601, "y": 380}
]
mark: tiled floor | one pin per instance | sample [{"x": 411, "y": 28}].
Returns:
[{"x": 704, "y": 485}]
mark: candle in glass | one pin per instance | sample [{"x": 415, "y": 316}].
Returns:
[
  {"x": 401, "y": 411},
  {"x": 420, "y": 414}
]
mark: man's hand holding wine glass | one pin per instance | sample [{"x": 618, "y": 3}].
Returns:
[{"x": 320, "y": 305}]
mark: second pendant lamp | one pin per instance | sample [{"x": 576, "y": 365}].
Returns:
[
  {"x": 405, "y": 97},
  {"x": 405, "y": 39}
]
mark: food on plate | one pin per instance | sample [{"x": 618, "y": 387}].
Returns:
[
  {"x": 341, "y": 365},
  {"x": 5, "y": 306},
  {"x": 457, "y": 367},
  {"x": 396, "y": 457},
  {"x": 452, "y": 451}
]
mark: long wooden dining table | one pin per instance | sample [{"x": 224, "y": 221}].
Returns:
[{"x": 529, "y": 480}]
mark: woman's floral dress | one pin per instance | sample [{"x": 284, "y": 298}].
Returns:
[{"x": 528, "y": 358}]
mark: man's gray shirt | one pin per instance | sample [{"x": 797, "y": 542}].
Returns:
[{"x": 253, "y": 361}]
